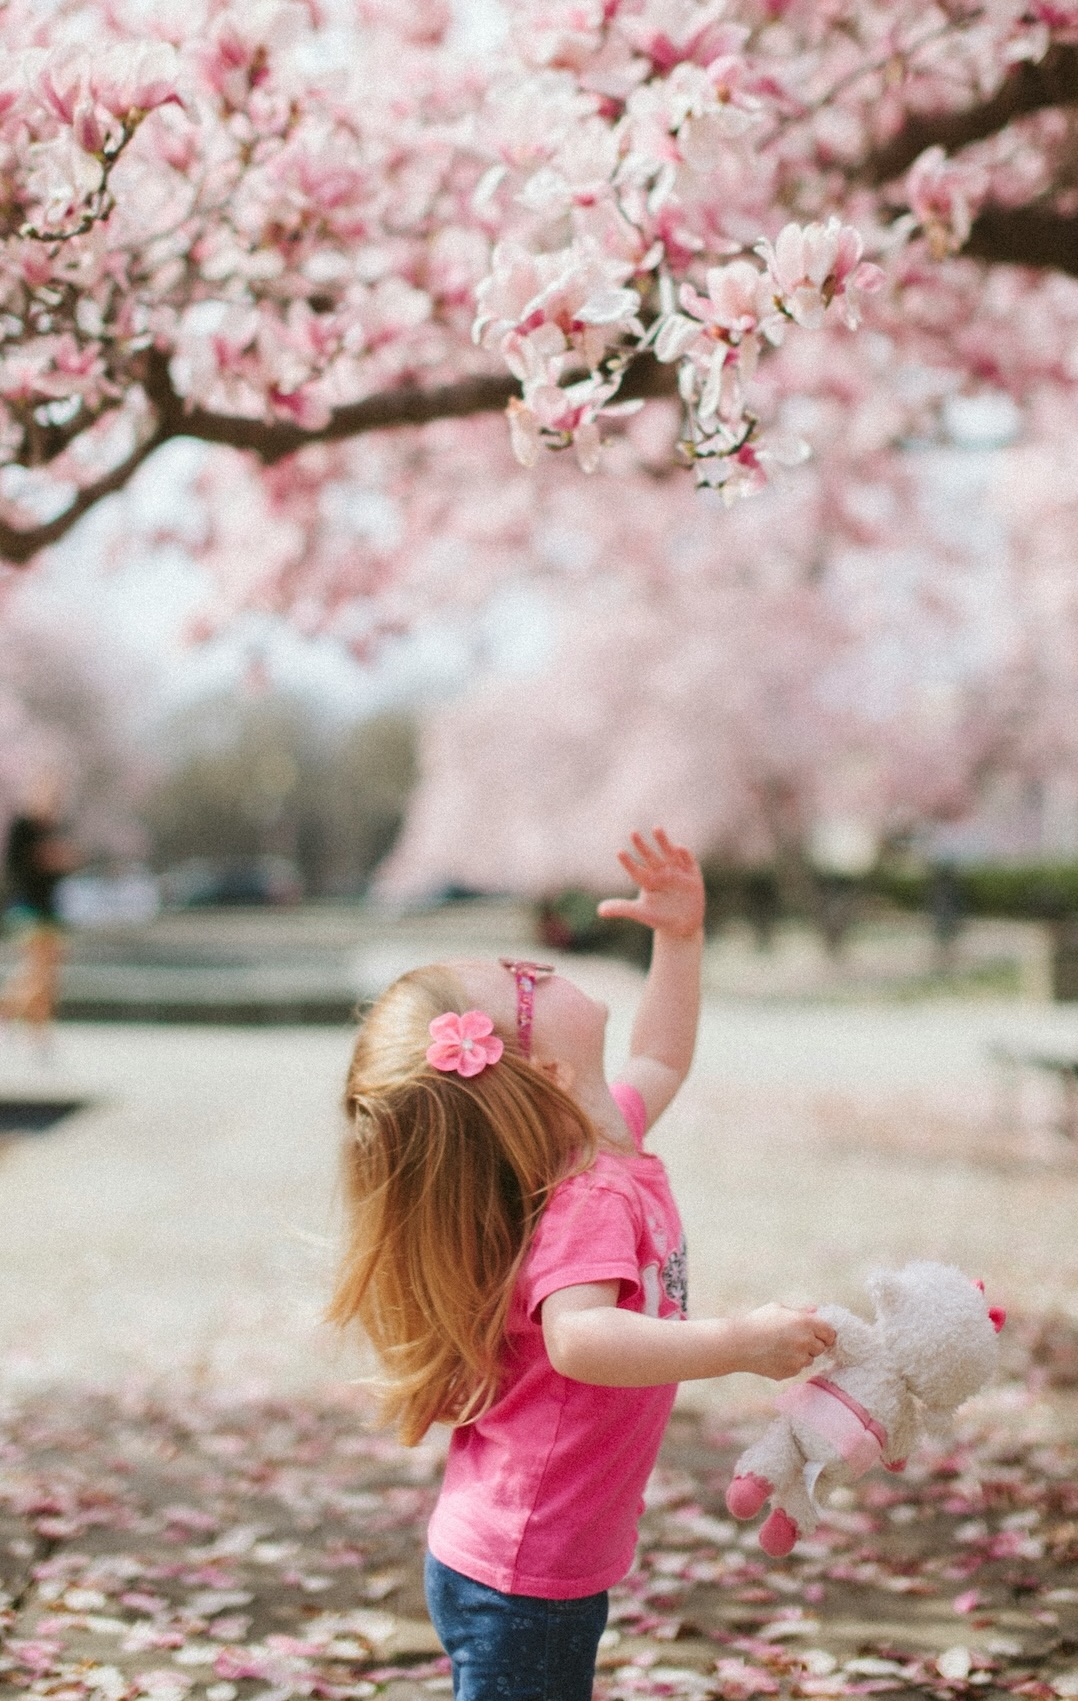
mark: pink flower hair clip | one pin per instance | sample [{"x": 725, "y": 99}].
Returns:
[{"x": 463, "y": 1045}]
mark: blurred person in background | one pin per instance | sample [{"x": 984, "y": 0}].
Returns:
[
  {"x": 946, "y": 911},
  {"x": 36, "y": 860}
]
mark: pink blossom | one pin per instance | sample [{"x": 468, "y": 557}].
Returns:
[
  {"x": 136, "y": 78},
  {"x": 88, "y": 128},
  {"x": 60, "y": 178},
  {"x": 944, "y": 195},
  {"x": 814, "y": 264},
  {"x": 673, "y": 31},
  {"x": 738, "y": 309},
  {"x": 563, "y": 416},
  {"x": 1056, "y": 14},
  {"x": 586, "y": 194},
  {"x": 62, "y": 83},
  {"x": 574, "y": 291},
  {"x": 738, "y": 1680}
]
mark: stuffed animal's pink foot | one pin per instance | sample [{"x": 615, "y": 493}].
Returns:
[
  {"x": 778, "y": 1534},
  {"x": 746, "y": 1495}
]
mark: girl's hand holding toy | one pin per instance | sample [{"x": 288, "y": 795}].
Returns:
[{"x": 931, "y": 1346}]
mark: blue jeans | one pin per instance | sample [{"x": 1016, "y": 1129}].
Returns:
[{"x": 514, "y": 1647}]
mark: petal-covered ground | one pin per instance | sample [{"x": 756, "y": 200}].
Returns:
[{"x": 188, "y": 1547}]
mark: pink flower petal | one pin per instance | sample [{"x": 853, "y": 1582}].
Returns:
[
  {"x": 444, "y": 1056},
  {"x": 446, "y": 1028},
  {"x": 475, "y": 1024},
  {"x": 465, "y": 1043},
  {"x": 471, "y": 1063}
]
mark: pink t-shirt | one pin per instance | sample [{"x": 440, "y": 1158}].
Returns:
[{"x": 543, "y": 1493}]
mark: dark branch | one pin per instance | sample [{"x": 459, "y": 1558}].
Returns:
[
  {"x": 648, "y": 378},
  {"x": 1025, "y": 236},
  {"x": 45, "y": 442},
  {"x": 18, "y": 545},
  {"x": 272, "y": 441},
  {"x": 1027, "y": 88},
  {"x": 486, "y": 393}
]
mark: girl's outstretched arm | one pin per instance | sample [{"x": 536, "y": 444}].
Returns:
[
  {"x": 589, "y": 1339},
  {"x": 671, "y": 902}
]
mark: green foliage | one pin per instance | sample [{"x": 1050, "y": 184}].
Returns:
[
  {"x": 1031, "y": 892},
  {"x": 1045, "y": 891}
]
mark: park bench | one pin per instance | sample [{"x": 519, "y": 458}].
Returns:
[{"x": 1059, "y": 1062}]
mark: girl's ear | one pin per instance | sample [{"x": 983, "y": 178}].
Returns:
[{"x": 562, "y": 1074}]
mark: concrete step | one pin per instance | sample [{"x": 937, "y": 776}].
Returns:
[{"x": 311, "y": 964}]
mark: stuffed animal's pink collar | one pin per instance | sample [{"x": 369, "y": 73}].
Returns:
[
  {"x": 854, "y": 1433},
  {"x": 854, "y": 1406}
]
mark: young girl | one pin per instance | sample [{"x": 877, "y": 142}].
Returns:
[{"x": 517, "y": 1260}]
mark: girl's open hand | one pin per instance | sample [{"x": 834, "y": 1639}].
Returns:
[{"x": 671, "y": 896}]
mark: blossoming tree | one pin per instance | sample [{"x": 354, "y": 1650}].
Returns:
[
  {"x": 827, "y": 660},
  {"x": 267, "y": 223}
]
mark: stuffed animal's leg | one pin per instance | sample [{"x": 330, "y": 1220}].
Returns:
[
  {"x": 792, "y": 1515},
  {"x": 759, "y": 1468},
  {"x": 773, "y": 1468}
]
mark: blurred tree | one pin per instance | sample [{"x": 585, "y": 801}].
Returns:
[
  {"x": 783, "y": 688},
  {"x": 265, "y": 776},
  {"x": 369, "y": 782}
]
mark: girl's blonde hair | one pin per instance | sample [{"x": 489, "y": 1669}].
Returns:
[{"x": 445, "y": 1179}]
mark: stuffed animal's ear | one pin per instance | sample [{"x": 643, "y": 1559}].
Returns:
[{"x": 884, "y": 1288}]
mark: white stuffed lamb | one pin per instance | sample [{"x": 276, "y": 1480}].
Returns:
[{"x": 931, "y": 1346}]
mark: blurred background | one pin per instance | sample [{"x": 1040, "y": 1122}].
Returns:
[{"x": 867, "y": 741}]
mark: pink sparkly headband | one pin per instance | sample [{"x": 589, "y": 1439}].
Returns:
[
  {"x": 525, "y": 974},
  {"x": 463, "y": 1045}
]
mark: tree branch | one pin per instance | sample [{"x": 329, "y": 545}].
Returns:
[
  {"x": 486, "y": 393},
  {"x": 1028, "y": 88},
  {"x": 1025, "y": 236},
  {"x": 18, "y": 545},
  {"x": 45, "y": 443},
  {"x": 271, "y": 442}
]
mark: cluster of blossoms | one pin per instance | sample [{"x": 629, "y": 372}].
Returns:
[
  {"x": 718, "y": 338},
  {"x": 269, "y": 212},
  {"x": 234, "y": 207},
  {"x": 663, "y": 138}
]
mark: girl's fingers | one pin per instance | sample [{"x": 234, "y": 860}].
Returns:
[
  {"x": 675, "y": 853},
  {"x": 611, "y": 909},
  {"x": 648, "y": 879},
  {"x": 652, "y": 867},
  {"x": 644, "y": 850}
]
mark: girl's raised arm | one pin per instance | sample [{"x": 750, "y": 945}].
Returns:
[{"x": 670, "y": 901}]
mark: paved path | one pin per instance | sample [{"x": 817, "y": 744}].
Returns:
[{"x": 181, "y": 1226}]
